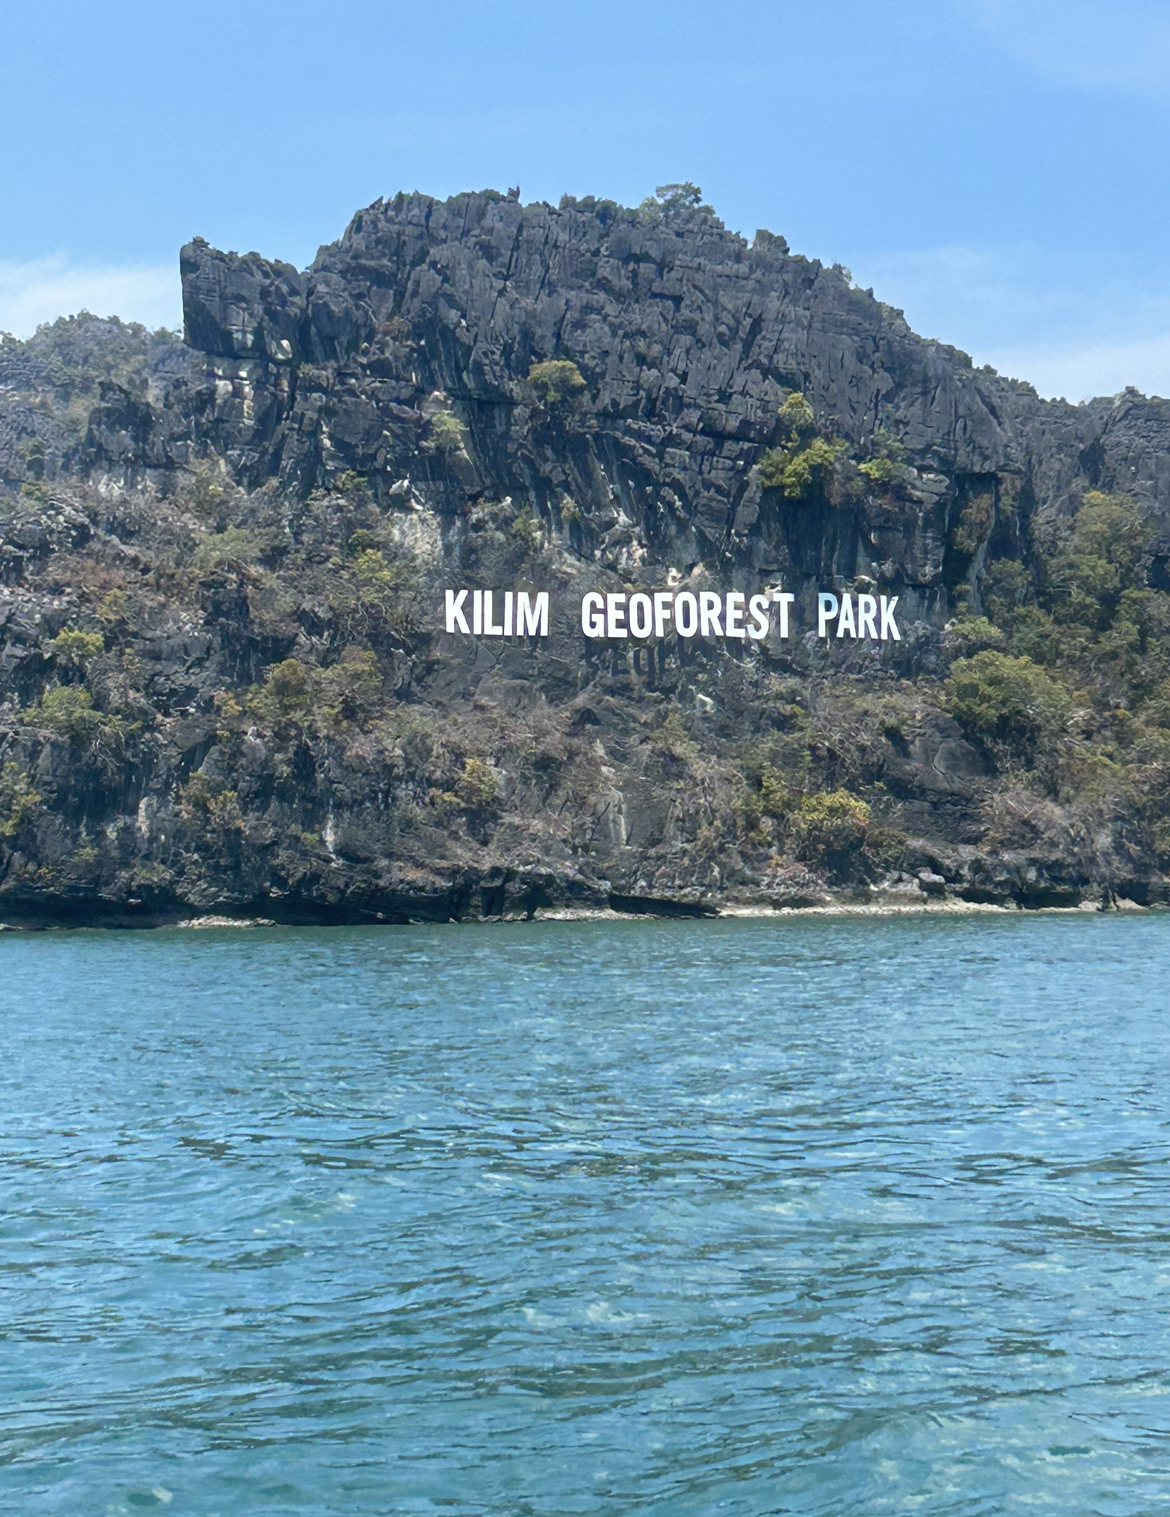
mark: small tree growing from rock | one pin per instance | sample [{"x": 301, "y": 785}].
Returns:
[
  {"x": 556, "y": 381},
  {"x": 830, "y": 830}
]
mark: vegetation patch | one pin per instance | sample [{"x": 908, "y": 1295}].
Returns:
[
  {"x": 556, "y": 381},
  {"x": 18, "y": 800},
  {"x": 1009, "y": 703}
]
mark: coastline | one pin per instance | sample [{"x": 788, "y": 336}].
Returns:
[{"x": 950, "y": 906}]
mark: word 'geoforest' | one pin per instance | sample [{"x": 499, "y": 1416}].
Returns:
[
  {"x": 703, "y": 612},
  {"x": 689, "y": 613}
]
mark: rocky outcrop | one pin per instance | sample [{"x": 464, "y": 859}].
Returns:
[
  {"x": 688, "y": 340},
  {"x": 254, "y": 528}
]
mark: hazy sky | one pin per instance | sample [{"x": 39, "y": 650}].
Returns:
[{"x": 996, "y": 167}]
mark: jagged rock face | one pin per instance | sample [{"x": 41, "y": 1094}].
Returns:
[
  {"x": 224, "y": 676},
  {"x": 49, "y": 385},
  {"x": 688, "y": 340}
]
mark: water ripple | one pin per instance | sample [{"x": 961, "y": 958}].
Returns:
[{"x": 742, "y": 1217}]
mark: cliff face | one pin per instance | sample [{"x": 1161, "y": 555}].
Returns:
[
  {"x": 254, "y": 531},
  {"x": 688, "y": 341}
]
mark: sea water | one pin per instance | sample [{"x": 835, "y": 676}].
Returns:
[{"x": 791, "y": 1216}]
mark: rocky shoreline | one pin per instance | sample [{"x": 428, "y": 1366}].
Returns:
[{"x": 881, "y": 904}]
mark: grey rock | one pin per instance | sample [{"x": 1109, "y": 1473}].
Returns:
[
  {"x": 318, "y": 405},
  {"x": 688, "y": 340}
]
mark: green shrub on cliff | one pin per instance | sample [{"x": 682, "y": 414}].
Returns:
[
  {"x": 389, "y": 588},
  {"x": 373, "y": 572},
  {"x": 1008, "y": 702},
  {"x": 974, "y": 634},
  {"x": 477, "y": 787},
  {"x": 670, "y": 199},
  {"x": 1100, "y": 561},
  {"x": 879, "y": 471},
  {"x": 802, "y": 472},
  {"x": 673, "y": 739},
  {"x": 830, "y": 829},
  {"x": 73, "y": 647},
  {"x": 352, "y": 484},
  {"x": 527, "y": 529},
  {"x": 776, "y": 798},
  {"x": 677, "y": 197},
  {"x": 200, "y": 801},
  {"x": 114, "y": 609},
  {"x": 286, "y": 693},
  {"x": 974, "y": 523},
  {"x": 446, "y": 434},
  {"x": 349, "y": 689},
  {"x": 805, "y": 465},
  {"x": 773, "y": 800},
  {"x": 796, "y": 416},
  {"x": 205, "y": 491},
  {"x": 68, "y": 710},
  {"x": 18, "y": 800},
  {"x": 556, "y": 381},
  {"x": 1006, "y": 587},
  {"x": 233, "y": 545},
  {"x": 293, "y": 691}
]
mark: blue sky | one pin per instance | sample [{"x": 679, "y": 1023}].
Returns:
[{"x": 998, "y": 168}]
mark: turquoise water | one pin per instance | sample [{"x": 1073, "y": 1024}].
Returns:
[{"x": 801, "y": 1216}]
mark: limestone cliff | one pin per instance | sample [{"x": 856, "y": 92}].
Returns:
[{"x": 225, "y": 677}]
